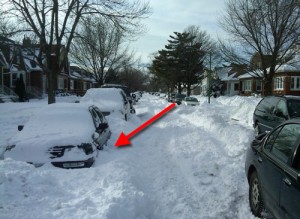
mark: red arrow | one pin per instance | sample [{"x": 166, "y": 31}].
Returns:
[{"x": 124, "y": 139}]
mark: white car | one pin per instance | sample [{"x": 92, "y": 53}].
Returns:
[
  {"x": 108, "y": 100},
  {"x": 190, "y": 101},
  {"x": 66, "y": 135}
]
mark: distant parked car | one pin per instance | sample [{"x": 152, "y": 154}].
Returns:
[
  {"x": 66, "y": 135},
  {"x": 273, "y": 110},
  {"x": 171, "y": 97},
  {"x": 273, "y": 171},
  {"x": 190, "y": 101},
  {"x": 178, "y": 98},
  {"x": 108, "y": 100}
]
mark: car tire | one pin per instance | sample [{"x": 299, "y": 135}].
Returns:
[{"x": 255, "y": 196}]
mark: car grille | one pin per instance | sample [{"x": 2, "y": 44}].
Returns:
[{"x": 58, "y": 151}]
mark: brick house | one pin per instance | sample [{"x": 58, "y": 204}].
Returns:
[{"x": 16, "y": 59}]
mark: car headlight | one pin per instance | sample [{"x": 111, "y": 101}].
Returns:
[{"x": 87, "y": 148}]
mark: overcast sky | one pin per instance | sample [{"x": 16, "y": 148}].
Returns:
[{"x": 175, "y": 15}]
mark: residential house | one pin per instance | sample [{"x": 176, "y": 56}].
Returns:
[
  {"x": 286, "y": 80},
  {"x": 10, "y": 61},
  {"x": 79, "y": 80},
  {"x": 16, "y": 59},
  {"x": 228, "y": 77},
  {"x": 251, "y": 83}
]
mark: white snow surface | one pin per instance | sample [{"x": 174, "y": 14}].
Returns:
[{"x": 188, "y": 164}]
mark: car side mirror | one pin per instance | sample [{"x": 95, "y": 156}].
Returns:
[
  {"x": 298, "y": 178},
  {"x": 20, "y": 127},
  {"x": 103, "y": 126}
]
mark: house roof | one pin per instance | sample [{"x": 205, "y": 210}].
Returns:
[
  {"x": 251, "y": 75},
  {"x": 30, "y": 61},
  {"x": 3, "y": 61}
]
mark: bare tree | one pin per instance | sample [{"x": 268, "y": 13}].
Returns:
[
  {"x": 209, "y": 46},
  {"x": 7, "y": 27},
  {"x": 54, "y": 23},
  {"x": 269, "y": 29},
  {"x": 98, "y": 47}
]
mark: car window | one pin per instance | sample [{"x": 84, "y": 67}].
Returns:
[
  {"x": 285, "y": 142},
  {"x": 267, "y": 104},
  {"x": 101, "y": 117},
  {"x": 124, "y": 96},
  {"x": 96, "y": 118},
  {"x": 281, "y": 108},
  {"x": 293, "y": 108},
  {"x": 270, "y": 141}
]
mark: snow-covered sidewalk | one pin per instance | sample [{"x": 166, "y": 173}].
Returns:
[{"x": 188, "y": 164}]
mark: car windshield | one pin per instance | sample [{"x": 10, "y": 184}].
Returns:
[{"x": 294, "y": 108}]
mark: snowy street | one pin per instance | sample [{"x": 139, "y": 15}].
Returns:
[{"x": 188, "y": 164}]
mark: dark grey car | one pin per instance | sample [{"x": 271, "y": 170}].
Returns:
[
  {"x": 273, "y": 171},
  {"x": 273, "y": 110}
]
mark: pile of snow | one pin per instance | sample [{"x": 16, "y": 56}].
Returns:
[{"x": 188, "y": 164}]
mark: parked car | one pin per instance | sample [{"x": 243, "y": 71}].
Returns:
[
  {"x": 178, "y": 98},
  {"x": 273, "y": 110},
  {"x": 171, "y": 97},
  {"x": 66, "y": 135},
  {"x": 273, "y": 171},
  {"x": 190, "y": 101},
  {"x": 126, "y": 90},
  {"x": 108, "y": 100}
]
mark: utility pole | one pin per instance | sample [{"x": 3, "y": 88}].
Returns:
[{"x": 209, "y": 80}]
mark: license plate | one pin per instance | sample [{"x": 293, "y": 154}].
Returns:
[{"x": 74, "y": 164}]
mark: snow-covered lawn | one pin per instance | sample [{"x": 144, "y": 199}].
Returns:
[{"x": 189, "y": 164}]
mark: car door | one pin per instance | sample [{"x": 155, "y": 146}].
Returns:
[
  {"x": 270, "y": 172},
  {"x": 279, "y": 150},
  {"x": 290, "y": 185},
  {"x": 104, "y": 133}
]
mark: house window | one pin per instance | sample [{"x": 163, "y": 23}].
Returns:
[
  {"x": 247, "y": 85},
  {"x": 14, "y": 77},
  {"x": 61, "y": 84},
  {"x": 258, "y": 85},
  {"x": 84, "y": 85},
  {"x": 295, "y": 83},
  {"x": 71, "y": 84},
  {"x": 278, "y": 83}
]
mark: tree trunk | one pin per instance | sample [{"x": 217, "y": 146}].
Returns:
[
  {"x": 188, "y": 88},
  {"x": 268, "y": 85},
  {"x": 51, "y": 87}
]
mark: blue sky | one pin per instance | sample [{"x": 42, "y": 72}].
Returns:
[{"x": 175, "y": 15}]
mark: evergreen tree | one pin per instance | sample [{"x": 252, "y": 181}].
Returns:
[{"x": 179, "y": 64}]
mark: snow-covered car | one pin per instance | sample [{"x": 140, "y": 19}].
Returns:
[
  {"x": 66, "y": 135},
  {"x": 126, "y": 91},
  {"x": 190, "y": 101},
  {"x": 108, "y": 100}
]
